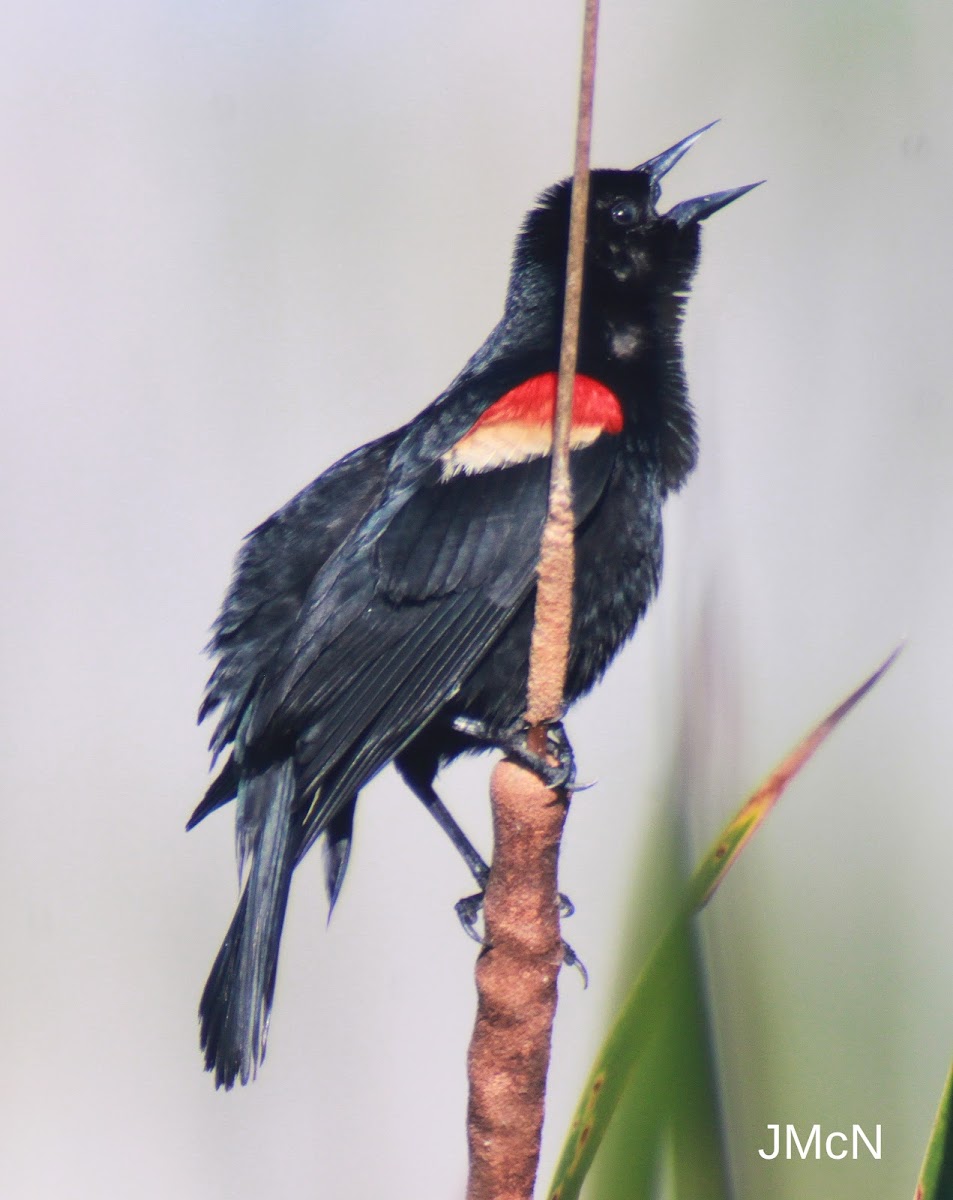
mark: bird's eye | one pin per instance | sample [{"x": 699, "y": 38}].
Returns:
[{"x": 625, "y": 212}]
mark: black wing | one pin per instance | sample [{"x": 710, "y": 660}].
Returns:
[
  {"x": 273, "y": 575},
  {"x": 397, "y": 620}
]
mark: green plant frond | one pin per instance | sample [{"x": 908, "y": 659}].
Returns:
[
  {"x": 647, "y": 1015},
  {"x": 936, "y": 1174}
]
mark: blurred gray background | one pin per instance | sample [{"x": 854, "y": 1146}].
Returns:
[{"x": 239, "y": 239}]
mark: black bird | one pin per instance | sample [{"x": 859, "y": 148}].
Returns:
[{"x": 384, "y": 614}]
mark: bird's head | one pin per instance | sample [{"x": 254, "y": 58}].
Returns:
[{"x": 631, "y": 247}]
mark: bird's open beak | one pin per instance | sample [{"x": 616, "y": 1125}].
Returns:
[
  {"x": 689, "y": 211},
  {"x": 662, "y": 163}
]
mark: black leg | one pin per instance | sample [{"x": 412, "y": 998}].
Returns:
[
  {"x": 469, "y": 908},
  {"x": 424, "y": 791}
]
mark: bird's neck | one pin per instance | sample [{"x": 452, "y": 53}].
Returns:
[{"x": 629, "y": 340}]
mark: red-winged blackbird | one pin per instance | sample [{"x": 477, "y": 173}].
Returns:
[{"x": 384, "y": 614}]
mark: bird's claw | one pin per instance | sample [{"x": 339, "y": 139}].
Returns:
[
  {"x": 572, "y": 959},
  {"x": 561, "y": 774},
  {"x": 468, "y": 911},
  {"x": 514, "y": 742},
  {"x": 582, "y": 787},
  {"x": 469, "y": 908}
]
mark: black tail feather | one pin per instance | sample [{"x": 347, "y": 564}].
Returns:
[
  {"x": 224, "y": 787},
  {"x": 337, "y": 851},
  {"x": 236, "y": 1004}
]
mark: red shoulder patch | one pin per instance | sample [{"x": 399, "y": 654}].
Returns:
[
  {"x": 519, "y": 426},
  {"x": 534, "y": 402}
]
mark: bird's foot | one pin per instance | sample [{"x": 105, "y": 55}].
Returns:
[
  {"x": 572, "y": 959},
  {"x": 468, "y": 912},
  {"x": 514, "y": 742},
  {"x": 469, "y": 909}
]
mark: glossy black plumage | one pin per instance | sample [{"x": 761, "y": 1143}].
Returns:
[{"x": 395, "y": 593}]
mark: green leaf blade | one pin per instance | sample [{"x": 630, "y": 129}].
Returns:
[
  {"x": 936, "y": 1174},
  {"x": 645, "y": 1010}
]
